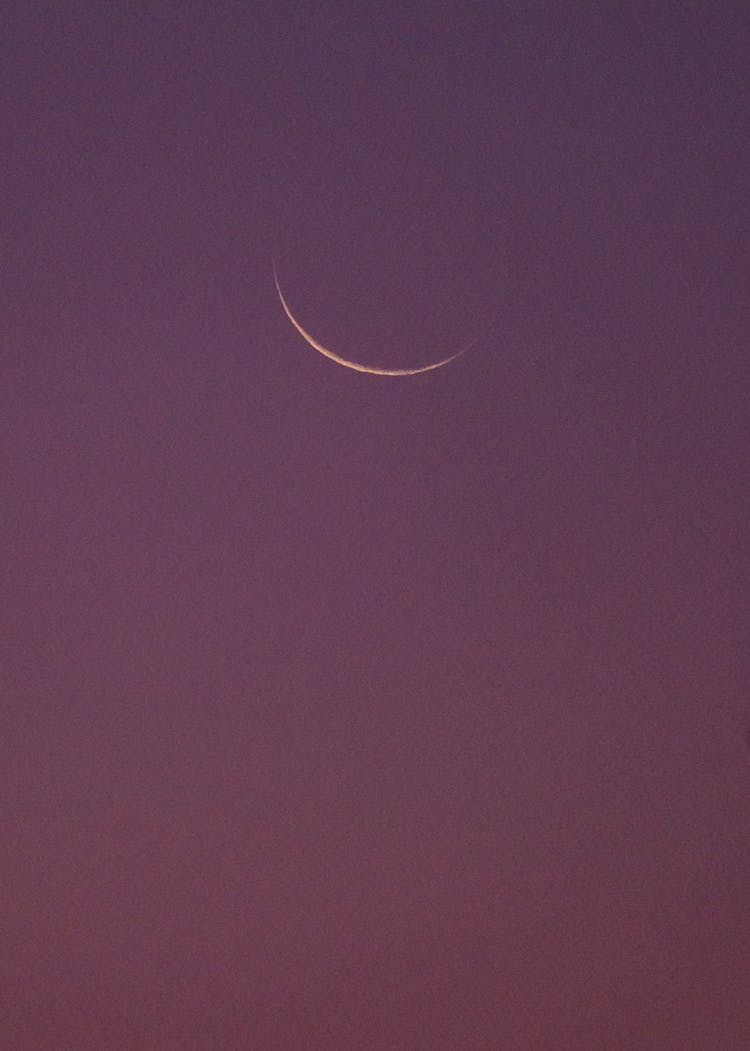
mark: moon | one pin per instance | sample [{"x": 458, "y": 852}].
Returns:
[{"x": 370, "y": 369}]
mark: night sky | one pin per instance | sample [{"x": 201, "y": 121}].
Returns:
[{"x": 341, "y": 711}]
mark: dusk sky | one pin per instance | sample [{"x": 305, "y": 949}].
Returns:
[{"x": 342, "y": 711}]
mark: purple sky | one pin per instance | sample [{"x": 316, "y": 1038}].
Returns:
[{"x": 349, "y": 712}]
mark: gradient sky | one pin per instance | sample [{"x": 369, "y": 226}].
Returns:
[{"x": 349, "y": 712}]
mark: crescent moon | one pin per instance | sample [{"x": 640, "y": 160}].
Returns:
[{"x": 355, "y": 364}]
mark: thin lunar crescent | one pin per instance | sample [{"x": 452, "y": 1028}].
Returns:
[{"x": 354, "y": 364}]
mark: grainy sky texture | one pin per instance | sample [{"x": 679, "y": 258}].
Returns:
[{"x": 355, "y": 712}]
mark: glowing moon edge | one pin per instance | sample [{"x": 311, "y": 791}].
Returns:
[{"x": 370, "y": 369}]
